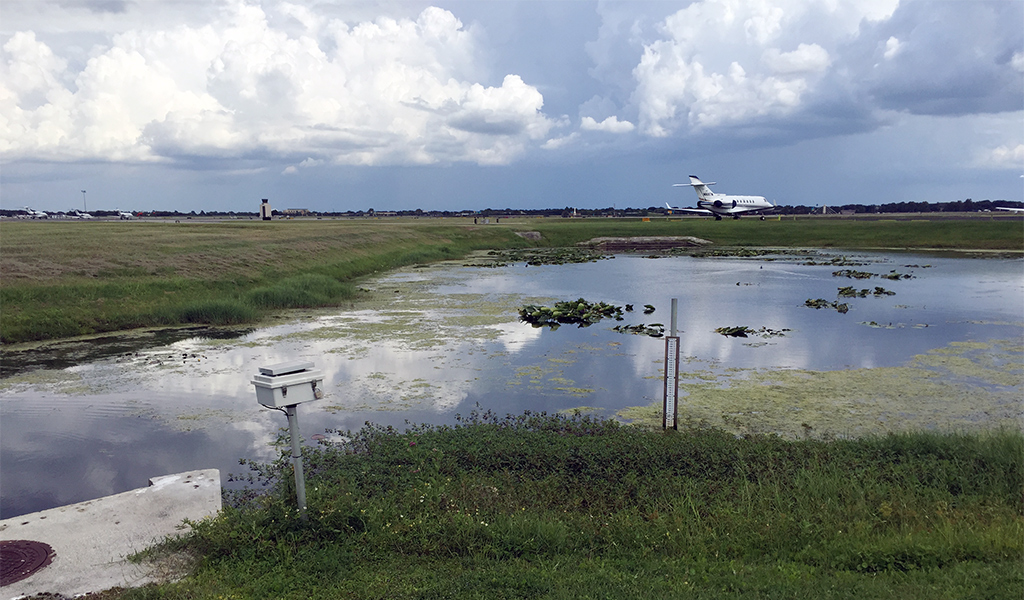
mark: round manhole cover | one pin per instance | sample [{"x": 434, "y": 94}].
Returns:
[{"x": 21, "y": 558}]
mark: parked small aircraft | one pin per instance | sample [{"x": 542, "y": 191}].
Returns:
[
  {"x": 125, "y": 216},
  {"x": 721, "y": 205},
  {"x": 36, "y": 214},
  {"x": 79, "y": 214}
]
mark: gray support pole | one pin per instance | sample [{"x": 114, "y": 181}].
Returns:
[
  {"x": 675, "y": 310},
  {"x": 300, "y": 479}
]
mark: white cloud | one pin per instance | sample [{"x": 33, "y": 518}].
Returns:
[
  {"x": 807, "y": 58},
  {"x": 892, "y": 47},
  {"x": 611, "y": 125},
  {"x": 561, "y": 142},
  {"x": 1017, "y": 61},
  {"x": 1007, "y": 156},
  {"x": 722, "y": 62},
  {"x": 392, "y": 90}
]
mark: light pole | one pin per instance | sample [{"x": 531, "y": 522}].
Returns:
[{"x": 85, "y": 207}]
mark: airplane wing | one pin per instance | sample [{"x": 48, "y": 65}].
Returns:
[
  {"x": 1011, "y": 209},
  {"x": 699, "y": 211}
]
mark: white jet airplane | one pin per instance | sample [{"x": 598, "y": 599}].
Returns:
[
  {"x": 125, "y": 216},
  {"x": 79, "y": 214},
  {"x": 36, "y": 214},
  {"x": 721, "y": 205}
]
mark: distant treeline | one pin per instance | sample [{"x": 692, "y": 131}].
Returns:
[{"x": 967, "y": 205}]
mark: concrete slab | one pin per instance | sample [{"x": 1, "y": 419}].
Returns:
[{"x": 91, "y": 539}]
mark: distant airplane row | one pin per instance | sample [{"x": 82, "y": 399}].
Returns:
[
  {"x": 74, "y": 214},
  {"x": 724, "y": 205}
]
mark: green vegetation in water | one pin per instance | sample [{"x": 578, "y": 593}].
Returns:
[
  {"x": 894, "y": 276},
  {"x": 732, "y": 252},
  {"x": 652, "y": 330},
  {"x": 536, "y": 257},
  {"x": 744, "y": 331},
  {"x": 960, "y": 386},
  {"x": 850, "y": 292},
  {"x": 569, "y": 506},
  {"x": 852, "y": 274},
  {"x": 577, "y": 312},
  {"x": 819, "y": 303},
  {"x": 839, "y": 261}
]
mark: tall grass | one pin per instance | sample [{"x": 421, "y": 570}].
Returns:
[{"x": 549, "y": 506}]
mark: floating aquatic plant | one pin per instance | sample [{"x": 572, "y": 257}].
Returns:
[
  {"x": 579, "y": 312},
  {"x": 851, "y": 292},
  {"x": 541, "y": 256},
  {"x": 744, "y": 331},
  {"x": 838, "y": 261},
  {"x": 850, "y": 273},
  {"x": 822, "y": 303},
  {"x": 653, "y": 330}
]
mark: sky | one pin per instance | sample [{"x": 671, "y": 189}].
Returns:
[{"x": 337, "y": 105}]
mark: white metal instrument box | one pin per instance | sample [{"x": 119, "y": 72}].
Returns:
[{"x": 287, "y": 384}]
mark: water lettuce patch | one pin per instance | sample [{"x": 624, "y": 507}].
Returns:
[{"x": 581, "y": 313}]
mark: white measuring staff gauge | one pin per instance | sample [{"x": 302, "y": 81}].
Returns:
[{"x": 670, "y": 414}]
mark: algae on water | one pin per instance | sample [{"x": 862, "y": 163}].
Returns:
[{"x": 960, "y": 386}]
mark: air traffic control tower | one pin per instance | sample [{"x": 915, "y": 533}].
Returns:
[{"x": 265, "y": 210}]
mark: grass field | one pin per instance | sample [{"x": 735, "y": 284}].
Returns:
[
  {"x": 540, "y": 506},
  {"x": 63, "y": 279}
]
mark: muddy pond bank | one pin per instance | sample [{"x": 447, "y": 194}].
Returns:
[{"x": 944, "y": 351}]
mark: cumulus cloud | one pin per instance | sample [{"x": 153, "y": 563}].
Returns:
[
  {"x": 611, "y": 125},
  {"x": 723, "y": 62},
  {"x": 383, "y": 91},
  {"x": 1005, "y": 157}
]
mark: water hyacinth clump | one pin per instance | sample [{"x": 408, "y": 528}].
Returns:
[
  {"x": 744, "y": 331},
  {"x": 579, "y": 312},
  {"x": 841, "y": 307},
  {"x": 850, "y": 292},
  {"x": 652, "y": 330}
]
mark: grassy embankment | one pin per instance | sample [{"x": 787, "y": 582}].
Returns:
[
  {"x": 63, "y": 279},
  {"x": 555, "y": 507}
]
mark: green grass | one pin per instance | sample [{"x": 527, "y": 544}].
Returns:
[
  {"x": 63, "y": 279},
  {"x": 60, "y": 280},
  {"x": 540, "y": 506}
]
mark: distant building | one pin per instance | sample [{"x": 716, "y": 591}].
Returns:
[{"x": 296, "y": 212}]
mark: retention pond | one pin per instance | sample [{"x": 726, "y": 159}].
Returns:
[{"x": 836, "y": 345}]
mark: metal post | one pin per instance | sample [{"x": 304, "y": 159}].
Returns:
[
  {"x": 300, "y": 480},
  {"x": 675, "y": 310}
]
